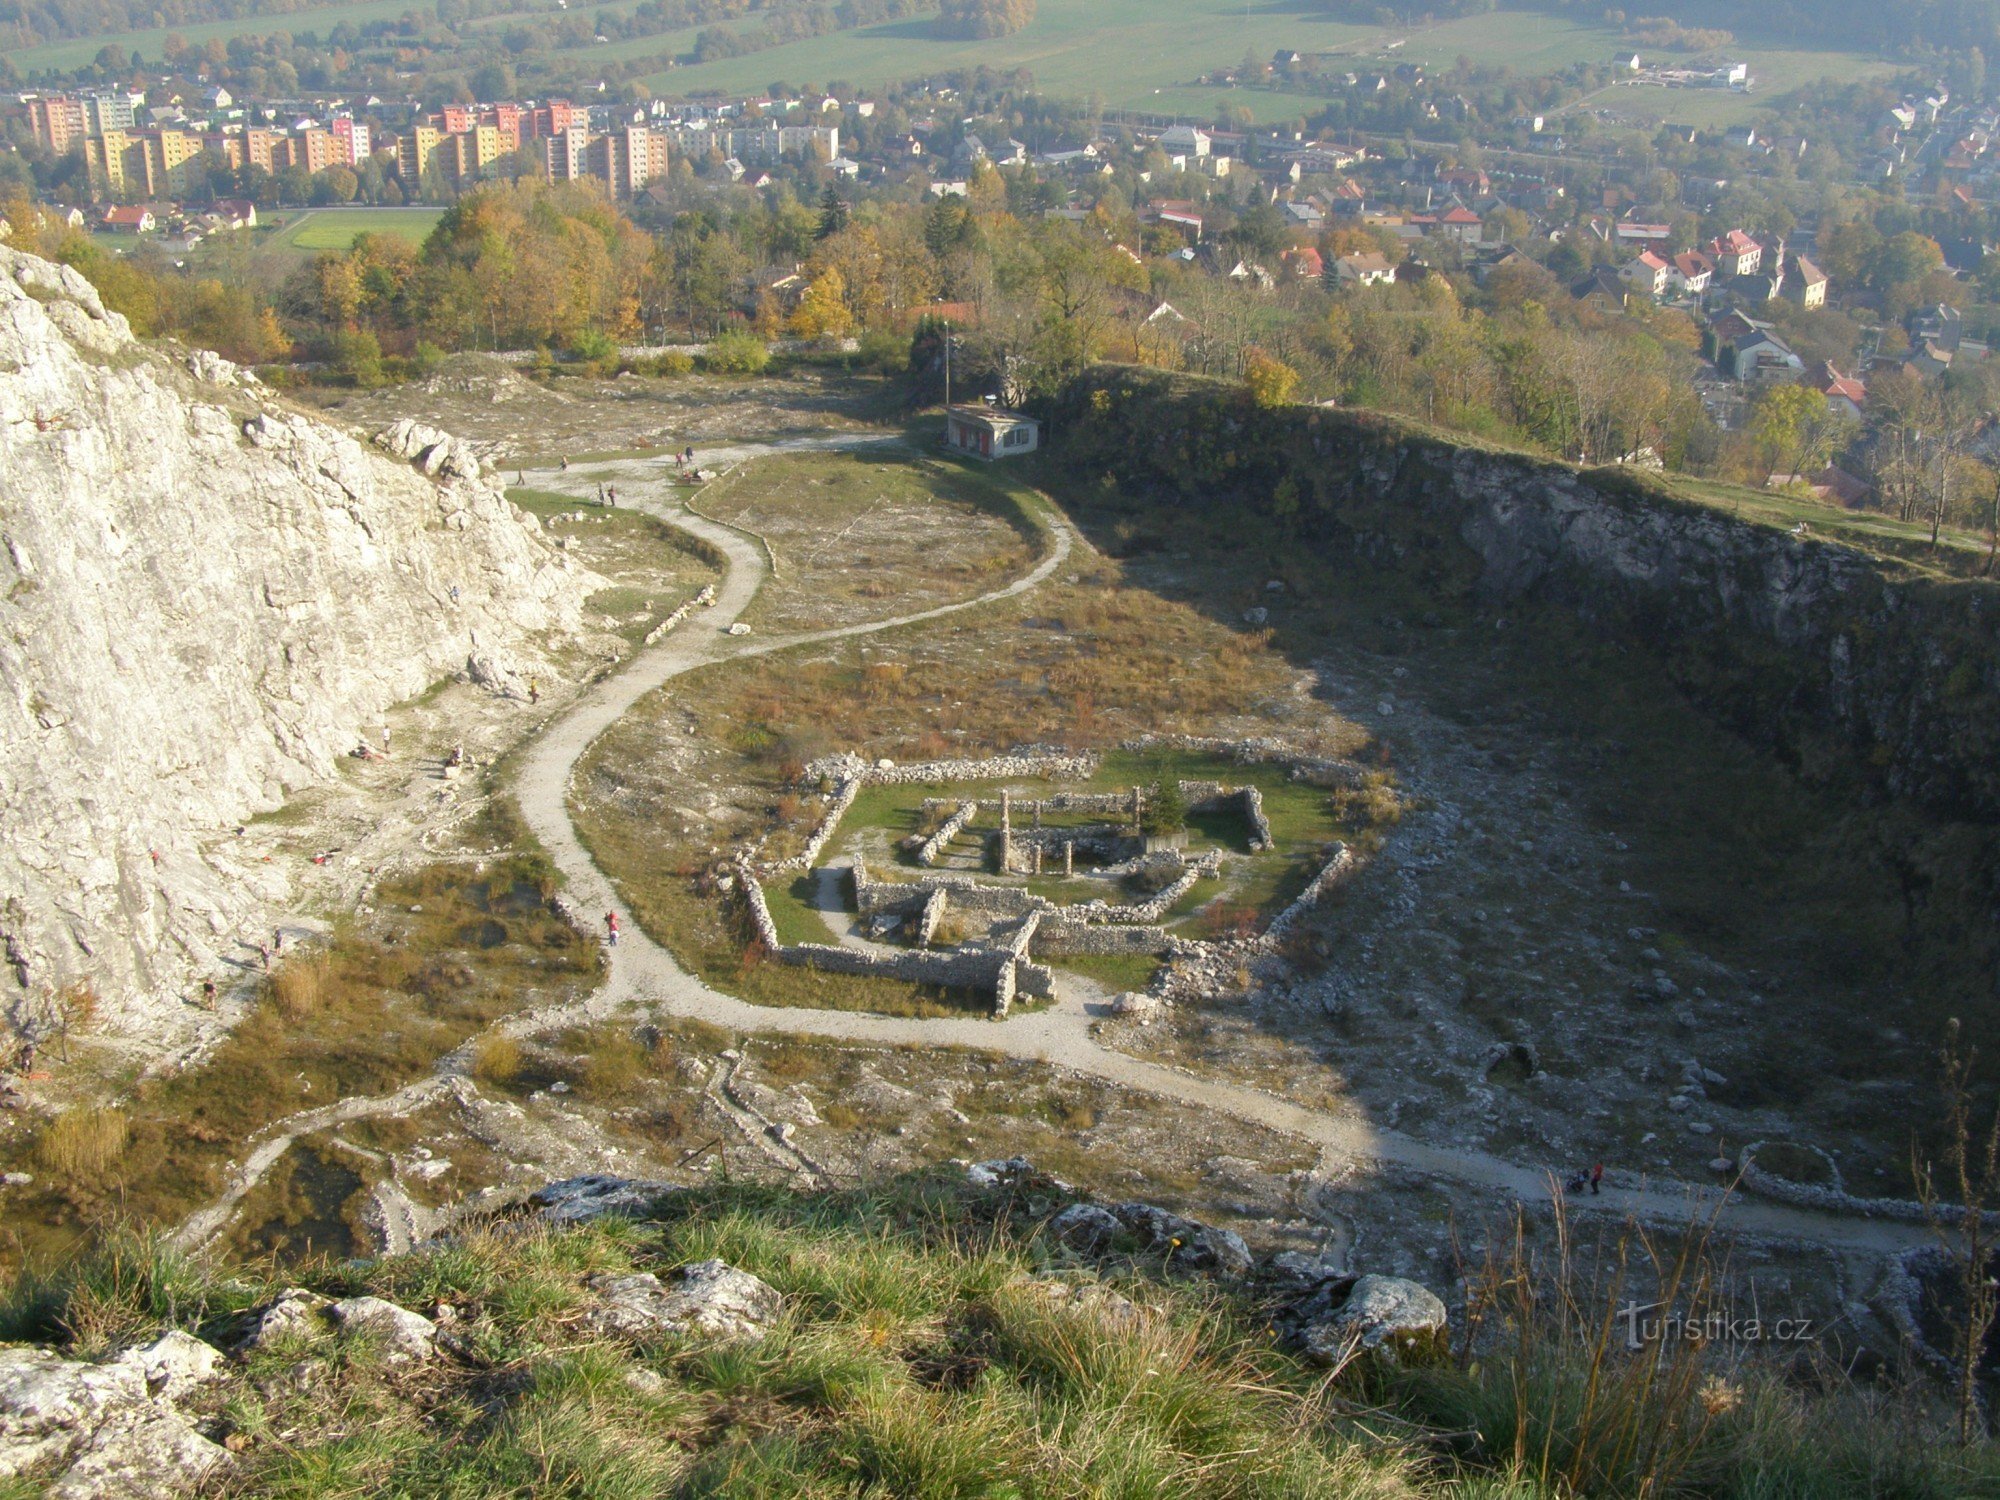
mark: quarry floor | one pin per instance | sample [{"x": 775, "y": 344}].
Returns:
[{"x": 1354, "y": 1113}]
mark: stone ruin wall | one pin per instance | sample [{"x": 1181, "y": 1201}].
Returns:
[
  {"x": 1331, "y": 876},
  {"x": 932, "y": 848},
  {"x": 1061, "y": 939}
]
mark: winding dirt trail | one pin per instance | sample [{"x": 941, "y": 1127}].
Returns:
[
  {"x": 644, "y": 978},
  {"x": 645, "y": 975}
]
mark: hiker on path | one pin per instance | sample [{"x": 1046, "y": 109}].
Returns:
[
  {"x": 385, "y": 741},
  {"x": 600, "y": 493},
  {"x": 611, "y": 496},
  {"x": 534, "y": 690},
  {"x": 1596, "y": 1178},
  {"x": 611, "y": 928},
  {"x": 208, "y": 994}
]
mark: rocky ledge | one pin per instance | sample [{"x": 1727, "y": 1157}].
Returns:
[{"x": 161, "y": 1417}]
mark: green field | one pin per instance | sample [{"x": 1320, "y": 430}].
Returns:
[
  {"x": 1144, "y": 57},
  {"x": 1122, "y": 49},
  {"x": 147, "y": 44},
  {"x": 337, "y": 228}
]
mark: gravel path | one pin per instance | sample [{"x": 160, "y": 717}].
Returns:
[
  {"x": 644, "y": 974},
  {"x": 645, "y": 979}
]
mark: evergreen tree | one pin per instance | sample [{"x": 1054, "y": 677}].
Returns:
[{"x": 834, "y": 214}]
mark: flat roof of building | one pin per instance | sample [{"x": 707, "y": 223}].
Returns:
[{"x": 998, "y": 416}]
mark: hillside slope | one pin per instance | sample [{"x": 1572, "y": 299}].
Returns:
[{"x": 206, "y": 598}]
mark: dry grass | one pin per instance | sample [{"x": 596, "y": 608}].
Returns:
[
  {"x": 497, "y": 1060},
  {"x": 381, "y": 1006},
  {"x": 82, "y": 1142},
  {"x": 861, "y": 536},
  {"x": 298, "y": 985}
]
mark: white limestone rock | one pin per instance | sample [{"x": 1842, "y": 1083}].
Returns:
[
  {"x": 402, "y": 1336},
  {"x": 709, "y": 1299},
  {"x": 578, "y": 1200},
  {"x": 107, "y": 1431},
  {"x": 295, "y": 1313},
  {"x": 1384, "y": 1316},
  {"x": 205, "y": 596}
]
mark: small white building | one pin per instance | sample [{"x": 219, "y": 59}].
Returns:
[{"x": 991, "y": 432}]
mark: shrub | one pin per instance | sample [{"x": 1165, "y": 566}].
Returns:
[
  {"x": 358, "y": 356},
  {"x": 497, "y": 1060},
  {"x": 736, "y": 354},
  {"x": 82, "y": 1142},
  {"x": 1271, "y": 381},
  {"x": 1165, "y": 812},
  {"x": 613, "y": 1067},
  {"x": 882, "y": 350}
]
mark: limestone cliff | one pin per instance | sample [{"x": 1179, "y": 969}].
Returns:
[
  {"x": 207, "y": 597},
  {"x": 1877, "y": 679}
]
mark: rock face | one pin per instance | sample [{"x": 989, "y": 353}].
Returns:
[
  {"x": 107, "y": 1431},
  {"x": 1866, "y": 677},
  {"x": 208, "y": 598}
]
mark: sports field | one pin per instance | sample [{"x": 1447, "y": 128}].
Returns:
[{"x": 314, "y": 230}]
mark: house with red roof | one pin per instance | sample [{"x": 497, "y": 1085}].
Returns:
[
  {"x": 1846, "y": 394},
  {"x": 1735, "y": 254},
  {"x": 1648, "y": 274},
  {"x": 1693, "y": 272}
]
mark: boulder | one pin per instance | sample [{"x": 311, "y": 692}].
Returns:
[
  {"x": 177, "y": 1364},
  {"x": 578, "y": 1200},
  {"x": 1187, "y": 1244},
  {"x": 404, "y": 1337},
  {"x": 107, "y": 1431},
  {"x": 709, "y": 1299},
  {"x": 295, "y": 1313},
  {"x": 1138, "y": 1006},
  {"x": 1385, "y": 1317},
  {"x": 1086, "y": 1227},
  {"x": 410, "y": 438}
]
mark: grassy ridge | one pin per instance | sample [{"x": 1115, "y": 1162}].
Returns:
[{"x": 936, "y": 1343}]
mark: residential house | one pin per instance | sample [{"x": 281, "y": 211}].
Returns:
[
  {"x": 1833, "y": 485},
  {"x": 1693, "y": 272},
  {"x": 1304, "y": 263},
  {"x": 1650, "y": 236},
  {"x": 133, "y": 220},
  {"x": 1846, "y": 394},
  {"x": 1648, "y": 274},
  {"x": 1806, "y": 284},
  {"x": 1751, "y": 351},
  {"x": 1462, "y": 224},
  {"x": 1735, "y": 254},
  {"x": 1187, "y": 140},
  {"x": 1604, "y": 283},
  {"x": 1369, "y": 269},
  {"x": 1177, "y": 212},
  {"x": 991, "y": 432},
  {"x": 1305, "y": 215}
]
